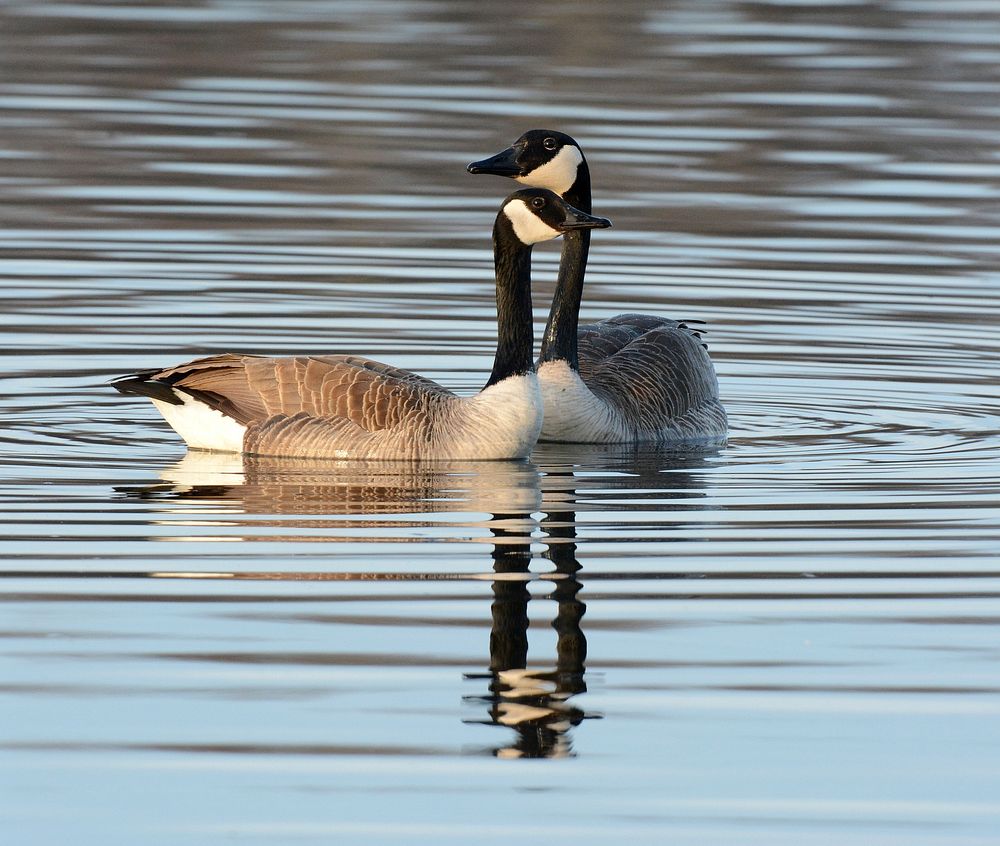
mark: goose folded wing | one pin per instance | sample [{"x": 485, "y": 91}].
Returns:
[
  {"x": 304, "y": 436},
  {"x": 660, "y": 375},
  {"x": 370, "y": 394}
]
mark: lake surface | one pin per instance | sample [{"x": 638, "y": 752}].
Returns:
[{"x": 791, "y": 640}]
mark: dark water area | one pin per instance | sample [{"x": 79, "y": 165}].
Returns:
[{"x": 791, "y": 640}]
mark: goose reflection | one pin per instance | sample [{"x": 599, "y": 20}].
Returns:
[
  {"x": 492, "y": 502},
  {"x": 534, "y": 701},
  {"x": 224, "y": 486}
]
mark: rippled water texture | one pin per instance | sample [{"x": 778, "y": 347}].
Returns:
[{"x": 793, "y": 640}]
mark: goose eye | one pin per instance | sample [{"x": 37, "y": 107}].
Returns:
[
  {"x": 538, "y": 202},
  {"x": 550, "y": 143}
]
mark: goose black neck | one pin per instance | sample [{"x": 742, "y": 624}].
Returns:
[
  {"x": 559, "y": 343},
  {"x": 515, "y": 338}
]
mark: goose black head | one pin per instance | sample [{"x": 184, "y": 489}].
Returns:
[
  {"x": 542, "y": 158},
  {"x": 537, "y": 214}
]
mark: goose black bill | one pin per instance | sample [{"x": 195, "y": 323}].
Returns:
[
  {"x": 503, "y": 163},
  {"x": 576, "y": 219}
]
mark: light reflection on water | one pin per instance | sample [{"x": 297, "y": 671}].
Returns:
[{"x": 792, "y": 639}]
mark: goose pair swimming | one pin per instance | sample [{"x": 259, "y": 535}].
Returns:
[{"x": 632, "y": 378}]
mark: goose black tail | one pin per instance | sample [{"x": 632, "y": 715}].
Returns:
[{"x": 143, "y": 385}]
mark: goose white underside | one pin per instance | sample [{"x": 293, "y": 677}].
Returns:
[
  {"x": 572, "y": 413},
  {"x": 501, "y": 421},
  {"x": 201, "y": 426}
]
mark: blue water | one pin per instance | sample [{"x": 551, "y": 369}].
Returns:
[{"x": 791, "y": 640}]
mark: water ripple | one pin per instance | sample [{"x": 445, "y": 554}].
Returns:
[{"x": 184, "y": 634}]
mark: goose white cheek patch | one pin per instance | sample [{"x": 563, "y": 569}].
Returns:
[
  {"x": 558, "y": 173},
  {"x": 528, "y": 227}
]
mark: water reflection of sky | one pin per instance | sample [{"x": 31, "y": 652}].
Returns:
[{"x": 790, "y": 640}]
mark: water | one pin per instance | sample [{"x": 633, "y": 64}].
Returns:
[{"x": 793, "y": 640}]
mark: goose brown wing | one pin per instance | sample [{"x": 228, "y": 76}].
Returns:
[
  {"x": 651, "y": 376},
  {"x": 370, "y": 394},
  {"x": 305, "y": 436}
]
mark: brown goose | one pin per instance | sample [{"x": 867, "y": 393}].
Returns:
[
  {"x": 629, "y": 379},
  {"x": 343, "y": 406}
]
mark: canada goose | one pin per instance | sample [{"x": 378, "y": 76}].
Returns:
[
  {"x": 628, "y": 379},
  {"x": 344, "y": 406}
]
